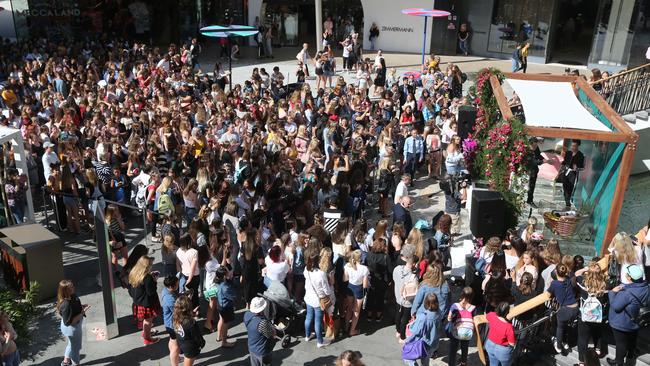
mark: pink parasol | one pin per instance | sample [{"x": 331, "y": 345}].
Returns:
[{"x": 426, "y": 13}]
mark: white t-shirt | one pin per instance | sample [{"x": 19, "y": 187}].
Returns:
[
  {"x": 186, "y": 257},
  {"x": 400, "y": 191},
  {"x": 49, "y": 158},
  {"x": 355, "y": 277},
  {"x": 211, "y": 268},
  {"x": 277, "y": 271}
]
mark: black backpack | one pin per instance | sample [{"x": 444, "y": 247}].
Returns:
[{"x": 642, "y": 318}]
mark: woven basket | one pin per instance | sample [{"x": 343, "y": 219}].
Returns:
[{"x": 564, "y": 225}]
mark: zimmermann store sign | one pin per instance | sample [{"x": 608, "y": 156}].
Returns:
[
  {"x": 397, "y": 32},
  {"x": 396, "y": 29}
]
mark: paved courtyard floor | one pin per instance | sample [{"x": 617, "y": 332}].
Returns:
[{"x": 376, "y": 341}]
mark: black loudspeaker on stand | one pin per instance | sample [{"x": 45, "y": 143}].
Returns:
[
  {"x": 466, "y": 120},
  {"x": 487, "y": 217}
]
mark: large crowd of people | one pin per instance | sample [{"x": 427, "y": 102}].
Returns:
[{"x": 266, "y": 185}]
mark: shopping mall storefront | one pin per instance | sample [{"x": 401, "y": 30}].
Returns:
[{"x": 608, "y": 34}]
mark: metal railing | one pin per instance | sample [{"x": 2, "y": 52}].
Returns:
[
  {"x": 526, "y": 331},
  {"x": 628, "y": 91},
  {"x": 53, "y": 208}
]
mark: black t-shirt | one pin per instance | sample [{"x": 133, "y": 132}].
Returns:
[{"x": 190, "y": 338}]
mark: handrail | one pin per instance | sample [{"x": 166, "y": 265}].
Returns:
[
  {"x": 518, "y": 310},
  {"x": 622, "y": 73}
]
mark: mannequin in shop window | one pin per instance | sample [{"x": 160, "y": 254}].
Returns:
[{"x": 291, "y": 27}]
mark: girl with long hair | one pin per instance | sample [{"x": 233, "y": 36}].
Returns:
[
  {"x": 591, "y": 284},
  {"x": 433, "y": 282},
  {"x": 326, "y": 265},
  {"x": 72, "y": 312},
  {"x": 626, "y": 253},
  {"x": 68, "y": 188},
  {"x": 317, "y": 296},
  {"x": 356, "y": 275},
  {"x": 187, "y": 330},
  {"x": 145, "y": 297},
  {"x": 188, "y": 261},
  {"x": 562, "y": 290},
  {"x": 425, "y": 328},
  {"x": 378, "y": 266},
  {"x": 116, "y": 227}
]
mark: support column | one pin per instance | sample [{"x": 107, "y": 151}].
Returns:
[
  {"x": 318, "y": 4},
  {"x": 617, "y": 201},
  {"x": 106, "y": 274}
]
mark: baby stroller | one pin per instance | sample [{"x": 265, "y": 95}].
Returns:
[{"x": 282, "y": 310}]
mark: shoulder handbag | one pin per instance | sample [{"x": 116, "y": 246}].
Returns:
[
  {"x": 415, "y": 350},
  {"x": 325, "y": 301},
  {"x": 564, "y": 170}
]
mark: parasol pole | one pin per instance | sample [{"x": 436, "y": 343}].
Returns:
[
  {"x": 229, "y": 60},
  {"x": 424, "y": 39}
]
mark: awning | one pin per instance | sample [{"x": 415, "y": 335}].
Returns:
[{"x": 553, "y": 104}]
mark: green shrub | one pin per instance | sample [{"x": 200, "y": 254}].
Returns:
[{"x": 22, "y": 310}]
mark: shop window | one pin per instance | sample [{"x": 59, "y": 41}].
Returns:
[
  {"x": 520, "y": 21},
  {"x": 619, "y": 22}
]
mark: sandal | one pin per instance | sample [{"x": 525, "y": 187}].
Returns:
[{"x": 228, "y": 344}]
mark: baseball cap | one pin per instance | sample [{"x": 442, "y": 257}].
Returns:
[
  {"x": 48, "y": 144},
  {"x": 634, "y": 271}
]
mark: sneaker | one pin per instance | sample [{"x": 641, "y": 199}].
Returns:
[
  {"x": 324, "y": 344},
  {"x": 565, "y": 346},
  {"x": 307, "y": 339},
  {"x": 556, "y": 345},
  {"x": 151, "y": 341}
]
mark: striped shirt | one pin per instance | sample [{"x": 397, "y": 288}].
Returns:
[{"x": 332, "y": 217}]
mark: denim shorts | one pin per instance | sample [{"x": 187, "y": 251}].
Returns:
[{"x": 356, "y": 291}]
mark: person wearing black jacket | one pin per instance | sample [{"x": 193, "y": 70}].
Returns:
[
  {"x": 574, "y": 160},
  {"x": 402, "y": 214},
  {"x": 72, "y": 313},
  {"x": 535, "y": 159},
  {"x": 145, "y": 296},
  {"x": 378, "y": 265}
]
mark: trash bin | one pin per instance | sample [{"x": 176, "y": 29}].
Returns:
[{"x": 30, "y": 253}]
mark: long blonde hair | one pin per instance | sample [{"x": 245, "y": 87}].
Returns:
[
  {"x": 325, "y": 259},
  {"x": 595, "y": 279},
  {"x": 624, "y": 248},
  {"x": 530, "y": 228},
  {"x": 164, "y": 185},
  {"x": 64, "y": 292},
  {"x": 415, "y": 238},
  {"x": 433, "y": 276},
  {"x": 140, "y": 270}
]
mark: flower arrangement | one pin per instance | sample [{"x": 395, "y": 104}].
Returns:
[{"x": 498, "y": 147}]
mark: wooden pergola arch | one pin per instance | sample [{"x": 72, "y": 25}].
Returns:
[{"x": 622, "y": 134}]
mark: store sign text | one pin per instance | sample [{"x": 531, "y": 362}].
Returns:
[{"x": 396, "y": 29}]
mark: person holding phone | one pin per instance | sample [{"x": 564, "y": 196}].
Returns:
[
  {"x": 145, "y": 296},
  {"x": 72, "y": 313}
]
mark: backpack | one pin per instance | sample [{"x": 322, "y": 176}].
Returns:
[
  {"x": 463, "y": 329},
  {"x": 141, "y": 196},
  {"x": 481, "y": 266},
  {"x": 642, "y": 318},
  {"x": 166, "y": 205},
  {"x": 409, "y": 289},
  {"x": 591, "y": 310}
]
